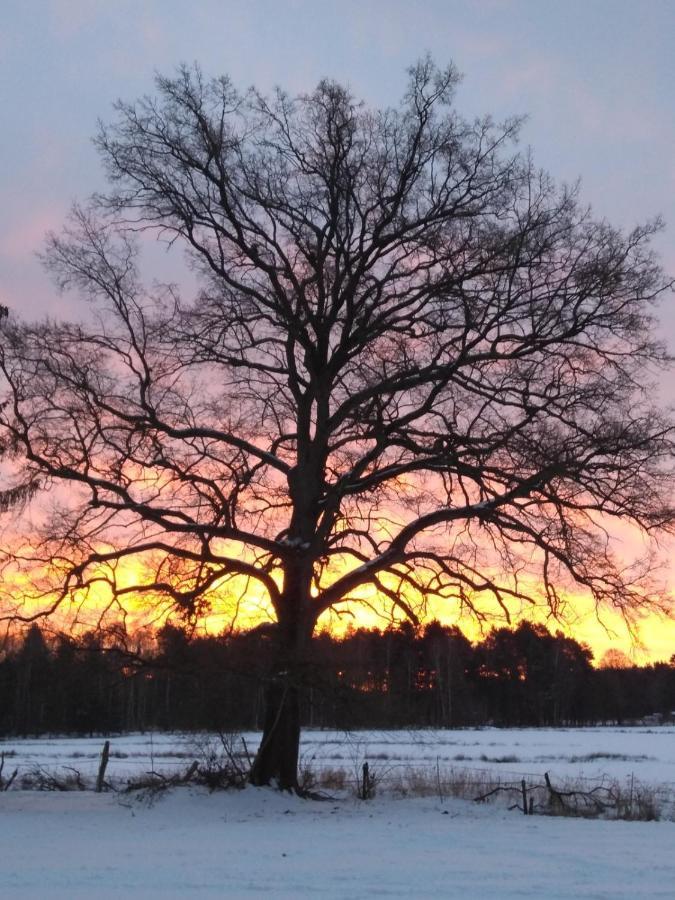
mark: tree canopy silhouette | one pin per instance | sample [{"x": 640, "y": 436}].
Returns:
[{"x": 413, "y": 366}]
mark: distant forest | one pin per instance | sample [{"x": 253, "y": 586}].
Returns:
[{"x": 433, "y": 677}]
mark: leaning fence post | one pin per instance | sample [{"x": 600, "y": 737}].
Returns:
[
  {"x": 102, "y": 767},
  {"x": 523, "y": 787},
  {"x": 554, "y": 797}
]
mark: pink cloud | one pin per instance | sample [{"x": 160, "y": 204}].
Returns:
[
  {"x": 68, "y": 17},
  {"x": 26, "y": 236}
]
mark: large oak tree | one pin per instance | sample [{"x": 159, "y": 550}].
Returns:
[{"x": 413, "y": 367}]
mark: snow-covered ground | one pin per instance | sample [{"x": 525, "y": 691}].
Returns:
[
  {"x": 257, "y": 842},
  {"x": 646, "y": 754}
]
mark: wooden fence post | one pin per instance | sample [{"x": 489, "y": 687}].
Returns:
[
  {"x": 554, "y": 797},
  {"x": 523, "y": 787},
  {"x": 102, "y": 767},
  {"x": 365, "y": 783}
]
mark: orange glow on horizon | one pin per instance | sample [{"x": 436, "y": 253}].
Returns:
[
  {"x": 237, "y": 603},
  {"x": 240, "y": 604}
]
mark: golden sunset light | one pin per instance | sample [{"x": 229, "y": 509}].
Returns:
[{"x": 235, "y": 604}]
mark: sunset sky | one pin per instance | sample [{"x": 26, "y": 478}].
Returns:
[{"x": 595, "y": 78}]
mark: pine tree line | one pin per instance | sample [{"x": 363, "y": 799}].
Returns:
[{"x": 433, "y": 677}]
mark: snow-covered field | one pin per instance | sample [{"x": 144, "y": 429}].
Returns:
[
  {"x": 646, "y": 754},
  {"x": 257, "y": 842}
]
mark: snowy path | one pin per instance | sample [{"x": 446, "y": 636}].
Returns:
[{"x": 258, "y": 843}]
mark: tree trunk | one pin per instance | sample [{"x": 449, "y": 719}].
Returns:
[{"x": 276, "y": 761}]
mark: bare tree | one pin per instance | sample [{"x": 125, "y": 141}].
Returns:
[
  {"x": 414, "y": 366},
  {"x": 24, "y": 485}
]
